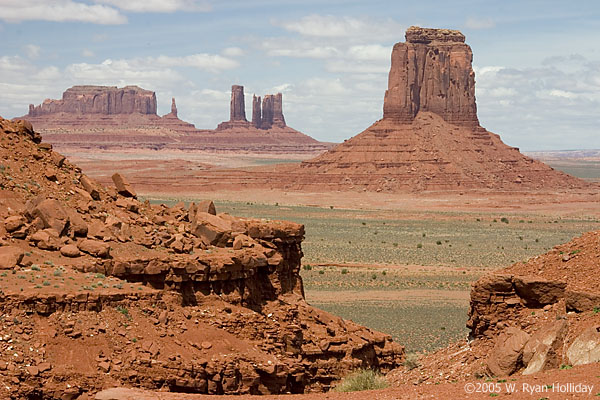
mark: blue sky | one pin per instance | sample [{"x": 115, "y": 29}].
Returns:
[{"x": 537, "y": 63}]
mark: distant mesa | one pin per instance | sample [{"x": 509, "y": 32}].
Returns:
[
  {"x": 107, "y": 100},
  {"x": 265, "y": 116},
  {"x": 113, "y": 118}
]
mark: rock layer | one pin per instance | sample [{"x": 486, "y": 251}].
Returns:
[{"x": 432, "y": 72}]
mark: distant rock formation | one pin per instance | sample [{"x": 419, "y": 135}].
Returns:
[
  {"x": 237, "y": 110},
  {"x": 173, "y": 107},
  {"x": 429, "y": 138},
  {"x": 265, "y": 116},
  {"x": 107, "y": 100},
  {"x": 272, "y": 111},
  {"x": 107, "y": 117},
  {"x": 432, "y": 72},
  {"x": 256, "y": 112}
]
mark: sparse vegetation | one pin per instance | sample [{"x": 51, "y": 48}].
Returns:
[
  {"x": 364, "y": 379},
  {"x": 411, "y": 361}
]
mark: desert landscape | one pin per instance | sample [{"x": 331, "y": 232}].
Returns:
[{"x": 143, "y": 257}]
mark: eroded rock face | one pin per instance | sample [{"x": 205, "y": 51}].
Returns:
[
  {"x": 237, "y": 111},
  {"x": 106, "y": 100},
  {"x": 272, "y": 111},
  {"x": 256, "y": 112},
  {"x": 218, "y": 301},
  {"x": 432, "y": 71}
]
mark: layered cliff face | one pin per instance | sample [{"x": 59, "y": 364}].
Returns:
[
  {"x": 432, "y": 72},
  {"x": 107, "y": 100}
]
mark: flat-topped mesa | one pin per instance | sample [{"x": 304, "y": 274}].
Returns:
[
  {"x": 107, "y": 100},
  {"x": 237, "y": 111},
  {"x": 431, "y": 71}
]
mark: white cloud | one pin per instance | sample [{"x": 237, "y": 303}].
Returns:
[
  {"x": 479, "y": 23},
  {"x": 58, "y": 11},
  {"x": 32, "y": 51},
  {"x": 233, "y": 52},
  {"x": 554, "y": 106},
  {"x": 99, "y": 37},
  {"x": 372, "y": 52},
  {"x": 203, "y": 61},
  {"x": 329, "y": 26},
  {"x": 87, "y": 53},
  {"x": 158, "y": 6}
]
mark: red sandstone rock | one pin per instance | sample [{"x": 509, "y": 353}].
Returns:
[
  {"x": 506, "y": 357},
  {"x": 237, "y": 110},
  {"x": 95, "y": 248},
  {"x": 432, "y": 72},
  {"x": 123, "y": 187},
  {"x": 10, "y": 257},
  {"x": 51, "y": 213},
  {"x": 106, "y": 100},
  {"x": 70, "y": 250}
]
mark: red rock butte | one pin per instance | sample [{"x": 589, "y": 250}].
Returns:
[
  {"x": 108, "y": 117},
  {"x": 429, "y": 137}
]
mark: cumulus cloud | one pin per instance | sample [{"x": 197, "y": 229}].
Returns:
[
  {"x": 158, "y": 6},
  {"x": 32, "y": 51},
  {"x": 329, "y": 26},
  {"x": 479, "y": 23},
  {"x": 233, "y": 52},
  {"x": 59, "y": 11},
  {"x": 557, "y": 101}
]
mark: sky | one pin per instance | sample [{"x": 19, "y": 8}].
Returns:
[{"x": 536, "y": 62}]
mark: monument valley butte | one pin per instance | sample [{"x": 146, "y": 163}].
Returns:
[{"x": 177, "y": 267}]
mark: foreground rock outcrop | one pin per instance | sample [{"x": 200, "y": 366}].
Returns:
[
  {"x": 534, "y": 316},
  {"x": 100, "y": 289}
]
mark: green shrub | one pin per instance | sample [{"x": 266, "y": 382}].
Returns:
[
  {"x": 419, "y": 246},
  {"x": 363, "y": 379},
  {"x": 344, "y": 271},
  {"x": 411, "y": 361},
  {"x": 307, "y": 267},
  {"x": 504, "y": 219},
  {"x": 35, "y": 267}
]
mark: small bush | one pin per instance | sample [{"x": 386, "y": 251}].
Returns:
[
  {"x": 321, "y": 272},
  {"x": 363, "y": 379},
  {"x": 344, "y": 271},
  {"x": 419, "y": 246},
  {"x": 35, "y": 267},
  {"x": 439, "y": 242},
  {"x": 504, "y": 219},
  {"x": 411, "y": 361},
  {"x": 307, "y": 267}
]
